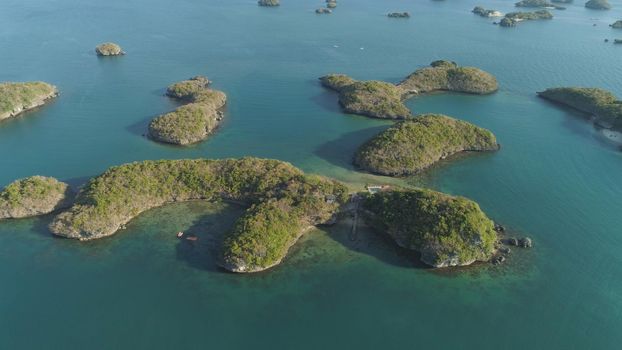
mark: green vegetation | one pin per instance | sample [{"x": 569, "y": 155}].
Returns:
[
  {"x": 193, "y": 122},
  {"x": 448, "y": 76},
  {"x": 538, "y": 3},
  {"x": 413, "y": 145},
  {"x": 616, "y": 24},
  {"x": 33, "y": 196},
  {"x": 512, "y": 18},
  {"x": 282, "y": 199},
  {"x": 268, "y": 2},
  {"x": 602, "y": 104},
  {"x": 16, "y": 98},
  {"x": 383, "y": 100},
  {"x": 372, "y": 98},
  {"x": 598, "y": 5},
  {"x": 446, "y": 230},
  {"x": 478, "y": 10},
  {"x": 109, "y": 49}
]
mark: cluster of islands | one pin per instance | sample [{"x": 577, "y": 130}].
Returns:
[{"x": 281, "y": 202}]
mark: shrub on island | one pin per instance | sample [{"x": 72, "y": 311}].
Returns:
[
  {"x": 32, "y": 196},
  {"x": 16, "y": 98},
  {"x": 413, "y": 145},
  {"x": 445, "y": 230},
  {"x": 445, "y": 75}
]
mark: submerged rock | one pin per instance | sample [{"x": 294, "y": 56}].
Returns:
[
  {"x": 109, "y": 49},
  {"x": 32, "y": 196},
  {"x": 16, "y": 98}
]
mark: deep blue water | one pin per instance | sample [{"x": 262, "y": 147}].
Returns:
[{"x": 555, "y": 179}]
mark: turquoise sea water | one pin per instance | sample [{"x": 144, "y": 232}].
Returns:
[{"x": 555, "y": 179}]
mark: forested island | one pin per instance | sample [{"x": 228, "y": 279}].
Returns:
[
  {"x": 598, "y": 5},
  {"x": 16, "y": 98},
  {"x": 513, "y": 18},
  {"x": 378, "y": 99},
  {"x": 32, "y": 196},
  {"x": 413, "y": 145},
  {"x": 602, "y": 105},
  {"x": 194, "y": 121}
]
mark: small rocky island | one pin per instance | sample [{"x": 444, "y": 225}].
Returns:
[
  {"x": 109, "y": 49},
  {"x": 378, "y": 99},
  {"x": 513, "y": 18},
  {"x": 399, "y": 15},
  {"x": 372, "y": 98},
  {"x": 413, "y": 145},
  {"x": 445, "y": 230},
  {"x": 16, "y": 98},
  {"x": 194, "y": 121},
  {"x": 598, "y": 5},
  {"x": 538, "y": 3},
  {"x": 480, "y": 11},
  {"x": 268, "y": 3},
  {"x": 603, "y": 106},
  {"x": 32, "y": 196},
  {"x": 616, "y": 24}
]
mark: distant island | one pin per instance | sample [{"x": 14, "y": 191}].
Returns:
[
  {"x": 109, "y": 49},
  {"x": 603, "y": 106},
  {"x": 32, "y": 196},
  {"x": 16, "y": 98},
  {"x": 445, "y": 230},
  {"x": 413, "y": 145},
  {"x": 478, "y": 10},
  {"x": 616, "y": 24},
  {"x": 598, "y": 5},
  {"x": 378, "y": 99},
  {"x": 538, "y": 3},
  {"x": 194, "y": 121},
  {"x": 268, "y": 3},
  {"x": 399, "y": 15},
  {"x": 513, "y": 18}
]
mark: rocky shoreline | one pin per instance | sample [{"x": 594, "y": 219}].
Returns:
[{"x": 17, "y": 98}]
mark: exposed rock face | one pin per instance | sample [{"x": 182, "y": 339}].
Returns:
[
  {"x": 282, "y": 201},
  {"x": 109, "y": 49},
  {"x": 601, "y": 104},
  {"x": 598, "y": 5},
  {"x": 32, "y": 196},
  {"x": 268, "y": 3},
  {"x": 193, "y": 122},
  {"x": 16, "y": 98},
  {"x": 413, "y": 145},
  {"x": 448, "y": 76},
  {"x": 446, "y": 230}
]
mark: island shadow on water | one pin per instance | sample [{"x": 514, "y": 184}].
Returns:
[{"x": 340, "y": 152}]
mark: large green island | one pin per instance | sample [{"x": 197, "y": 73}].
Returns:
[
  {"x": 413, "y": 145},
  {"x": 378, "y": 99},
  {"x": 16, "y": 98},
  {"x": 602, "y": 105},
  {"x": 281, "y": 204},
  {"x": 194, "y": 121}
]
